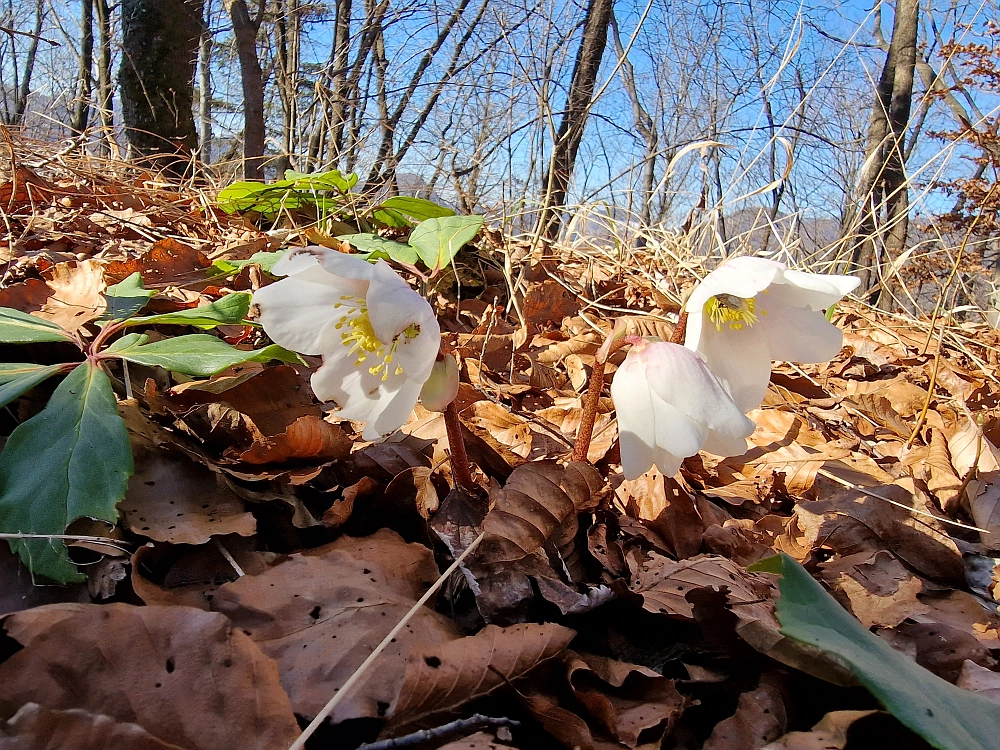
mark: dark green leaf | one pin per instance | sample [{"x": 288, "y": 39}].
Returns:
[
  {"x": 265, "y": 260},
  {"x": 946, "y": 716},
  {"x": 229, "y": 310},
  {"x": 375, "y": 248},
  {"x": 126, "y": 298},
  {"x": 17, "y": 378},
  {"x": 198, "y": 354},
  {"x": 17, "y": 327},
  {"x": 437, "y": 241},
  {"x": 70, "y": 460},
  {"x": 417, "y": 208}
]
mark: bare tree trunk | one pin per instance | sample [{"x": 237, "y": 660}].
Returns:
[
  {"x": 105, "y": 93},
  {"x": 85, "y": 74},
  {"x": 159, "y": 53},
  {"x": 245, "y": 29},
  {"x": 883, "y": 197},
  {"x": 574, "y": 117},
  {"x": 21, "y": 100},
  {"x": 205, "y": 48},
  {"x": 287, "y": 39}
]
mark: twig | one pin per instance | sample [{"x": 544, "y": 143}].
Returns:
[
  {"x": 445, "y": 731},
  {"x": 229, "y": 558},
  {"x": 353, "y": 679}
]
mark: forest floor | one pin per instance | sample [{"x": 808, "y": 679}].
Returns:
[{"x": 263, "y": 549}]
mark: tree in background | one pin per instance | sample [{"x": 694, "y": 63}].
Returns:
[{"x": 160, "y": 41}]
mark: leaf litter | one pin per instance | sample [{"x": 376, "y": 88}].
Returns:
[{"x": 270, "y": 549}]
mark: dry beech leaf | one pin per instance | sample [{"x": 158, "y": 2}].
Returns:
[
  {"x": 167, "y": 261},
  {"x": 307, "y": 437},
  {"x": 979, "y": 679},
  {"x": 173, "y": 499},
  {"x": 566, "y": 419},
  {"x": 337, "y": 514},
  {"x": 879, "y": 409},
  {"x": 27, "y": 296},
  {"x": 663, "y": 583},
  {"x": 984, "y": 504},
  {"x": 36, "y": 728},
  {"x": 829, "y": 734},
  {"x": 496, "y": 423},
  {"x": 667, "y": 508},
  {"x": 879, "y": 590},
  {"x": 760, "y": 718},
  {"x": 453, "y": 673},
  {"x": 942, "y": 479},
  {"x": 77, "y": 297},
  {"x": 414, "y": 483},
  {"x": 969, "y": 447},
  {"x": 849, "y": 521},
  {"x": 624, "y": 699},
  {"x": 179, "y": 673},
  {"x": 320, "y": 613},
  {"x": 537, "y": 499}
]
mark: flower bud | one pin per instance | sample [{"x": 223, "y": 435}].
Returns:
[{"x": 441, "y": 387}]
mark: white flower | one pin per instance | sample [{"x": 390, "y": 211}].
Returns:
[
  {"x": 750, "y": 311},
  {"x": 670, "y": 406},
  {"x": 441, "y": 387},
  {"x": 377, "y": 336}
]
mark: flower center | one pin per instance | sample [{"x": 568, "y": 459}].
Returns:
[
  {"x": 728, "y": 309},
  {"x": 360, "y": 337}
]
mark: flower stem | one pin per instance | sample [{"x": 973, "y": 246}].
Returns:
[
  {"x": 460, "y": 468},
  {"x": 592, "y": 399},
  {"x": 680, "y": 330}
]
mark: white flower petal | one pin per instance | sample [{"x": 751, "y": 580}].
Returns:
[
  {"x": 740, "y": 360},
  {"x": 815, "y": 290},
  {"x": 722, "y": 445},
  {"x": 345, "y": 265},
  {"x": 638, "y": 457},
  {"x": 745, "y": 276},
  {"x": 794, "y": 334},
  {"x": 299, "y": 312},
  {"x": 392, "y": 410},
  {"x": 392, "y": 305},
  {"x": 353, "y": 388}
]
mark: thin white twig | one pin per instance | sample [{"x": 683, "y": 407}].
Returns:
[
  {"x": 300, "y": 743},
  {"x": 229, "y": 558}
]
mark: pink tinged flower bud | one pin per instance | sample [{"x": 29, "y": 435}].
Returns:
[
  {"x": 751, "y": 311},
  {"x": 669, "y": 407},
  {"x": 441, "y": 387},
  {"x": 378, "y": 337}
]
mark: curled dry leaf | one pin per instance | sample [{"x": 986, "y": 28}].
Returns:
[
  {"x": 566, "y": 418},
  {"x": 77, "y": 297},
  {"x": 667, "y": 508},
  {"x": 453, "y": 673},
  {"x": 626, "y": 705},
  {"x": 941, "y": 477},
  {"x": 536, "y": 501},
  {"x": 179, "y": 673},
  {"x": 879, "y": 590},
  {"x": 760, "y": 718},
  {"x": 979, "y": 679},
  {"x": 36, "y": 728},
  {"x": 829, "y": 734},
  {"x": 173, "y": 499},
  {"x": 307, "y": 437}
]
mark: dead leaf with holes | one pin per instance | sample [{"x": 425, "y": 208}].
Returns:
[
  {"x": 179, "y": 673},
  {"x": 760, "y": 718},
  {"x": 173, "y": 499},
  {"x": 477, "y": 741},
  {"x": 877, "y": 588}
]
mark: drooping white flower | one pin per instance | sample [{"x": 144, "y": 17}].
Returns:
[
  {"x": 441, "y": 387},
  {"x": 750, "y": 311},
  {"x": 669, "y": 407},
  {"x": 377, "y": 336}
]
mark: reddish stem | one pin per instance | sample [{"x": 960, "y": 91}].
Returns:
[
  {"x": 592, "y": 399},
  {"x": 460, "y": 468},
  {"x": 680, "y": 330}
]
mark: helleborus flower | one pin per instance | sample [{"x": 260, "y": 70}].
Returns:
[
  {"x": 669, "y": 407},
  {"x": 750, "y": 311},
  {"x": 377, "y": 336},
  {"x": 441, "y": 387}
]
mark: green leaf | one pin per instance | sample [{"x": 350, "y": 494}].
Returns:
[
  {"x": 17, "y": 378},
  {"x": 198, "y": 354},
  {"x": 265, "y": 260},
  {"x": 126, "y": 298},
  {"x": 437, "y": 241},
  {"x": 17, "y": 327},
  {"x": 70, "y": 460},
  {"x": 946, "y": 716},
  {"x": 417, "y": 208},
  {"x": 332, "y": 180},
  {"x": 375, "y": 248},
  {"x": 229, "y": 310}
]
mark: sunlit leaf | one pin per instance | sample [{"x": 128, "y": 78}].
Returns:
[
  {"x": 72, "y": 459},
  {"x": 126, "y": 298},
  {"x": 417, "y": 208},
  {"x": 946, "y": 716},
  {"x": 229, "y": 310},
  {"x": 438, "y": 241},
  {"x": 17, "y": 327},
  {"x": 198, "y": 354},
  {"x": 17, "y": 378},
  {"x": 375, "y": 248},
  {"x": 265, "y": 260}
]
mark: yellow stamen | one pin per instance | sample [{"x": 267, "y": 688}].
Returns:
[
  {"x": 728, "y": 309},
  {"x": 360, "y": 338}
]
